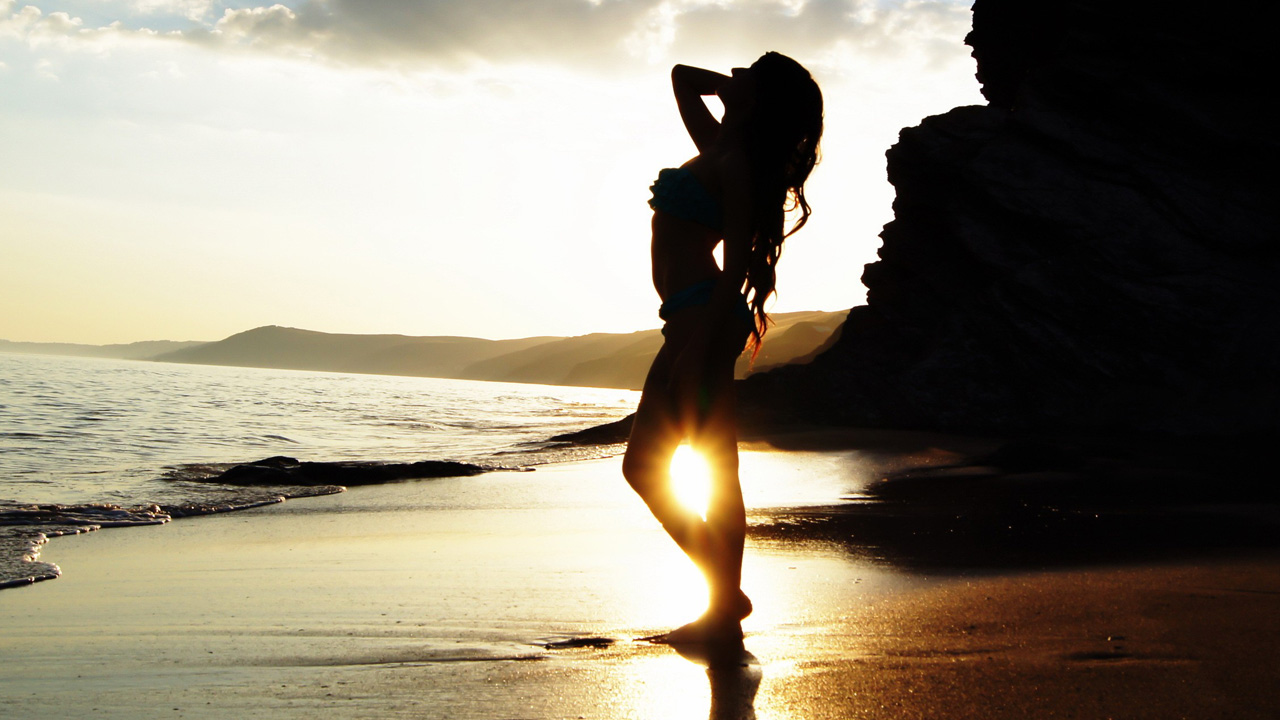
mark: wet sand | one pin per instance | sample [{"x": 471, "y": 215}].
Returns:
[
  {"x": 1172, "y": 641},
  {"x": 389, "y": 601}
]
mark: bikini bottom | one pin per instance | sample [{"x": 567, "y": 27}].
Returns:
[{"x": 700, "y": 294}]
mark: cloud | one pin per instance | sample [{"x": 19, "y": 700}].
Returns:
[
  {"x": 190, "y": 9},
  {"x": 435, "y": 32},
  {"x": 31, "y": 24},
  {"x": 602, "y": 35},
  {"x": 275, "y": 28},
  {"x": 820, "y": 28},
  {"x": 17, "y": 23}
]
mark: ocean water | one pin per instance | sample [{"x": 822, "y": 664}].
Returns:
[{"x": 85, "y": 440}]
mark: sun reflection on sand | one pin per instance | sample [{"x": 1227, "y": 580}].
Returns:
[
  {"x": 666, "y": 686},
  {"x": 692, "y": 681},
  {"x": 675, "y": 596}
]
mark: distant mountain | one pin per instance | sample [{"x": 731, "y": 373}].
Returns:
[
  {"x": 129, "y": 351},
  {"x": 291, "y": 348},
  {"x": 596, "y": 360},
  {"x": 621, "y": 360},
  {"x": 615, "y": 360},
  {"x": 795, "y": 338}
]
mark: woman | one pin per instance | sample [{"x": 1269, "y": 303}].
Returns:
[{"x": 750, "y": 170}]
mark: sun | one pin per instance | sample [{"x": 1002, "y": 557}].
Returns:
[{"x": 691, "y": 479}]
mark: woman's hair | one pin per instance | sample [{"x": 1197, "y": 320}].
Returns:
[{"x": 782, "y": 135}]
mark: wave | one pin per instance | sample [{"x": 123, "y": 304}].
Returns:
[
  {"x": 281, "y": 438},
  {"x": 196, "y": 489},
  {"x": 24, "y": 527}
]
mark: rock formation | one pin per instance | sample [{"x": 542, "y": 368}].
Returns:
[
  {"x": 280, "y": 470},
  {"x": 1095, "y": 249}
]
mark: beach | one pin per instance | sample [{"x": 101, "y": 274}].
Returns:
[
  {"x": 528, "y": 596},
  {"x": 1005, "y": 451}
]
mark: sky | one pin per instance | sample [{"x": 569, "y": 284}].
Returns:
[{"x": 188, "y": 169}]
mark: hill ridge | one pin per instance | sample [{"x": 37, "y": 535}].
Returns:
[{"x": 599, "y": 359}]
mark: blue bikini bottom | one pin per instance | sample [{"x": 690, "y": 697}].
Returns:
[{"x": 700, "y": 294}]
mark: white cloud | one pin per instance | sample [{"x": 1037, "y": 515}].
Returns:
[
  {"x": 436, "y": 32},
  {"x": 190, "y": 9},
  {"x": 605, "y": 36},
  {"x": 61, "y": 29},
  {"x": 275, "y": 28},
  {"x": 601, "y": 35},
  {"x": 874, "y": 29},
  {"x": 17, "y": 23}
]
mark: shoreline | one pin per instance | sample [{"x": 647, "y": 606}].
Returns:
[
  {"x": 234, "y": 487},
  {"x": 26, "y": 528},
  {"x": 379, "y": 602},
  {"x": 926, "y": 500}
]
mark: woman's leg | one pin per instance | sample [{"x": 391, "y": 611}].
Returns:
[
  {"x": 655, "y": 435},
  {"x": 717, "y": 440},
  {"x": 715, "y": 544}
]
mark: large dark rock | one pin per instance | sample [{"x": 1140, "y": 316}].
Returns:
[{"x": 1095, "y": 249}]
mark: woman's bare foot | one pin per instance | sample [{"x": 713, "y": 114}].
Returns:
[
  {"x": 739, "y": 606},
  {"x": 706, "y": 630},
  {"x": 717, "y": 624}
]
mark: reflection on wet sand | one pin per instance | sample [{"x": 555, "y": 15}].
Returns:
[
  {"x": 734, "y": 676},
  {"x": 665, "y": 681},
  {"x": 431, "y": 599},
  {"x": 733, "y": 692}
]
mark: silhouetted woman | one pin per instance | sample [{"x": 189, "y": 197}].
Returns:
[{"x": 748, "y": 174}]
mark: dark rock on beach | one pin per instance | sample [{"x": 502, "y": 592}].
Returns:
[
  {"x": 281, "y": 470},
  {"x": 607, "y": 434},
  {"x": 1093, "y": 250}
]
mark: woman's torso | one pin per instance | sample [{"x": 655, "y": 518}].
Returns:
[{"x": 682, "y": 247}]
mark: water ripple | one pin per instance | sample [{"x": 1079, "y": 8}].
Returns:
[{"x": 86, "y": 432}]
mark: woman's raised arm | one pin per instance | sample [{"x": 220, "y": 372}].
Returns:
[{"x": 690, "y": 84}]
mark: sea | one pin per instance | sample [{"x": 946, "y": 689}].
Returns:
[{"x": 88, "y": 442}]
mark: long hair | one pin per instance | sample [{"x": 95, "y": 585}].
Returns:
[{"x": 782, "y": 135}]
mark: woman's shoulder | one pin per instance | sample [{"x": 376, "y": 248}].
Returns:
[{"x": 714, "y": 168}]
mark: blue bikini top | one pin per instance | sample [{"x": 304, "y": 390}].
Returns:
[{"x": 678, "y": 192}]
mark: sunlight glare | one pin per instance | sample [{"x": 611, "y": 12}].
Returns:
[{"x": 691, "y": 479}]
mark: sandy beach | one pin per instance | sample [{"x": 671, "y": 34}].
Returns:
[{"x": 382, "y": 602}]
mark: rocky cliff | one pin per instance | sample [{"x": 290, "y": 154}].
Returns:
[{"x": 1094, "y": 249}]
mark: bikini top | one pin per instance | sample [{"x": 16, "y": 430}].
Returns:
[{"x": 678, "y": 192}]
